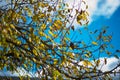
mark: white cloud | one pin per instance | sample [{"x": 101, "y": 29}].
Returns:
[
  {"x": 20, "y": 72},
  {"x": 104, "y": 8},
  {"x": 111, "y": 63}
]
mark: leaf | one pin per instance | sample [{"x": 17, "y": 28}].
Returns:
[
  {"x": 51, "y": 33},
  {"x": 79, "y": 17},
  {"x": 25, "y": 66},
  {"x": 23, "y": 18},
  {"x": 72, "y": 45},
  {"x": 12, "y": 26},
  {"x": 31, "y": 29},
  {"x": 34, "y": 59},
  {"x": 87, "y": 63},
  {"x": 108, "y": 52},
  {"x": 60, "y": 77},
  {"x": 41, "y": 33},
  {"x": 76, "y": 11},
  {"x": 70, "y": 55},
  {"x": 63, "y": 59},
  {"x": 30, "y": 39},
  {"x": 95, "y": 31},
  {"x": 56, "y": 73},
  {"x": 35, "y": 18},
  {"x": 86, "y": 6},
  {"x": 104, "y": 31},
  {"x": 49, "y": 8},
  {"x": 43, "y": 26},
  {"x": 18, "y": 42},
  {"x": 31, "y": 1},
  {"x": 42, "y": 46},
  {"x": 97, "y": 62},
  {"x": 35, "y": 52},
  {"x": 29, "y": 12},
  {"x": 82, "y": 16},
  {"x": 87, "y": 55},
  {"x": 116, "y": 56},
  {"x": 117, "y": 50},
  {"x": 87, "y": 69},
  {"x": 105, "y": 61},
  {"x": 55, "y": 61},
  {"x": 95, "y": 43},
  {"x": 58, "y": 24},
  {"x": 72, "y": 28},
  {"x": 42, "y": 15}
]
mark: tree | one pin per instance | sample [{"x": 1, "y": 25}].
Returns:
[{"x": 42, "y": 32}]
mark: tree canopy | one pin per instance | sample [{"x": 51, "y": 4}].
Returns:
[{"x": 41, "y": 32}]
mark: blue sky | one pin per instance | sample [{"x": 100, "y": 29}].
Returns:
[
  {"x": 104, "y": 13},
  {"x": 114, "y": 26}
]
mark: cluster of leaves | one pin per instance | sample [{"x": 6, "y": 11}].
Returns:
[{"x": 38, "y": 32}]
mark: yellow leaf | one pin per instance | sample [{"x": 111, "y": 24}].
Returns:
[
  {"x": 49, "y": 19},
  {"x": 87, "y": 55},
  {"x": 63, "y": 60},
  {"x": 41, "y": 15},
  {"x": 25, "y": 65},
  {"x": 29, "y": 12},
  {"x": 51, "y": 33},
  {"x": 18, "y": 42},
  {"x": 16, "y": 55},
  {"x": 47, "y": 36},
  {"x": 43, "y": 26},
  {"x": 30, "y": 40},
  {"x": 31, "y": 29},
  {"x": 70, "y": 54},
  {"x": 58, "y": 24},
  {"x": 97, "y": 62},
  {"x": 94, "y": 43},
  {"x": 55, "y": 61},
  {"x": 56, "y": 73},
  {"x": 34, "y": 60},
  {"x": 87, "y": 69},
  {"x": 12, "y": 26},
  {"x": 41, "y": 33},
  {"x": 79, "y": 17},
  {"x": 23, "y": 18},
  {"x": 41, "y": 46},
  {"x": 87, "y": 63},
  {"x": 35, "y": 18},
  {"x": 35, "y": 52},
  {"x": 41, "y": 4}
]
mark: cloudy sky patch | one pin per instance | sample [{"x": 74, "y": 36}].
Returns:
[{"x": 98, "y": 8}]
